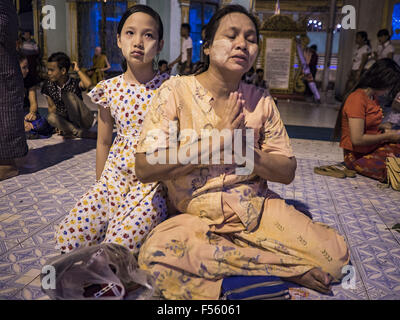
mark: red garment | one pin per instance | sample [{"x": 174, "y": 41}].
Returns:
[
  {"x": 359, "y": 105},
  {"x": 372, "y": 165}
]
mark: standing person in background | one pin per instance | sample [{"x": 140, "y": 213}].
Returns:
[
  {"x": 198, "y": 67},
  {"x": 185, "y": 58},
  {"x": 311, "y": 56},
  {"x": 313, "y": 62},
  {"x": 12, "y": 136},
  {"x": 259, "y": 81},
  {"x": 385, "y": 48},
  {"x": 360, "y": 59},
  {"x": 100, "y": 65},
  {"x": 31, "y": 50}
]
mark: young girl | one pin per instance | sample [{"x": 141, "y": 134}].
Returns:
[
  {"x": 230, "y": 224},
  {"x": 119, "y": 208},
  {"x": 360, "y": 59}
]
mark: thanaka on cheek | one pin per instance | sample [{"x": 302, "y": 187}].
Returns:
[{"x": 221, "y": 50}]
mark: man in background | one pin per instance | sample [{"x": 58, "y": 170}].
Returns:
[{"x": 12, "y": 134}]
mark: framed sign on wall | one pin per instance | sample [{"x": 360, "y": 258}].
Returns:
[{"x": 278, "y": 52}]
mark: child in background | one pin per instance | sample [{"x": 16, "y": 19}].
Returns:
[
  {"x": 185, "y": 58},
  {"x": 118, "y": 208},
  {"x": 259, "y": 81},
  {"x": 163, "y": 67}
]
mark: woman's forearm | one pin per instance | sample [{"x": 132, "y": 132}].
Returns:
[
  {"x": 274, "y": 168},
  {"x": 146, "y": 171},
  {"x": 369, "y": 139}
]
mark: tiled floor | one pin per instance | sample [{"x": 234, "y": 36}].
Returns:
[{"x": 57, "y": 172}]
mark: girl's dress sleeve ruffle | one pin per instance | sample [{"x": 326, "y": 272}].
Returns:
[{"x": 98, "y": 94}]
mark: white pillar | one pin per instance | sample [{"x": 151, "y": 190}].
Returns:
[{"x": 328, "y": 46}]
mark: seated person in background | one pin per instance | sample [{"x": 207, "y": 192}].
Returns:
[
  {"x": 358, "y": 123},
  {"x": 35, "y": 125},
  {"x": 259, "y": 81},
  {"x": 67, "y": 111},
  {"x": 163, "y": 67},
  {"x": 100, "y": 65}
]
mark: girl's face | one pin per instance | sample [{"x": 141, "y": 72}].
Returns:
[
  {"x": 139, "y": 39},
  {"x": 24, "y": 68},
  {"x": 382, "y": 39},
  {"x": 360, "y": 40},
  {"x": 235, "y": 45}
]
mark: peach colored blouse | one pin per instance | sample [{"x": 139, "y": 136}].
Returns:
[{"x": 185, "y": 102}]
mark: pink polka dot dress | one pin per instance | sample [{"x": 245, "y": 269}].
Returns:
[{"x": 118, "y": 208}]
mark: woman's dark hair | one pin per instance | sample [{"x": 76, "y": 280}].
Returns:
[
  {"x": 62, "y": 60},
  {"x": 21, "y": 57},
  {"x": 383, "y": 32},
  {"x": 144, "y": 9},
  {"x": 213, "y": 25},
  {"x": 384, "y": 74},
  {"x": 364, "y": 36}
]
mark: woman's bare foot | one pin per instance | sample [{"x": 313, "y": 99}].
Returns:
[{"x": 314, "y": 279}]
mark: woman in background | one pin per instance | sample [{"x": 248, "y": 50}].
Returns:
[{"x": 364, "y": 145}]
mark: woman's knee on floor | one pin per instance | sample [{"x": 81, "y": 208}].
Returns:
[
  {"x": 337, "y": 257},
  {"x": 173, "y": 230}
]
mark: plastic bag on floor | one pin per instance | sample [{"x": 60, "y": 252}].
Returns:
[{"x": 106, "y": 271}]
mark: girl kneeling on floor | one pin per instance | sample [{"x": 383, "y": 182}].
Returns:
[{"x": 119, "y": 208}]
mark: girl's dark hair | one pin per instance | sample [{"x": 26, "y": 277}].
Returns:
[
  {"x": 144, "y": 9},
  {"x": 213, "y": 25},
  {"x": 383, "y": 32},
  {"x": 364, "y": 36},
  {"x": 384, "y": 74}
]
